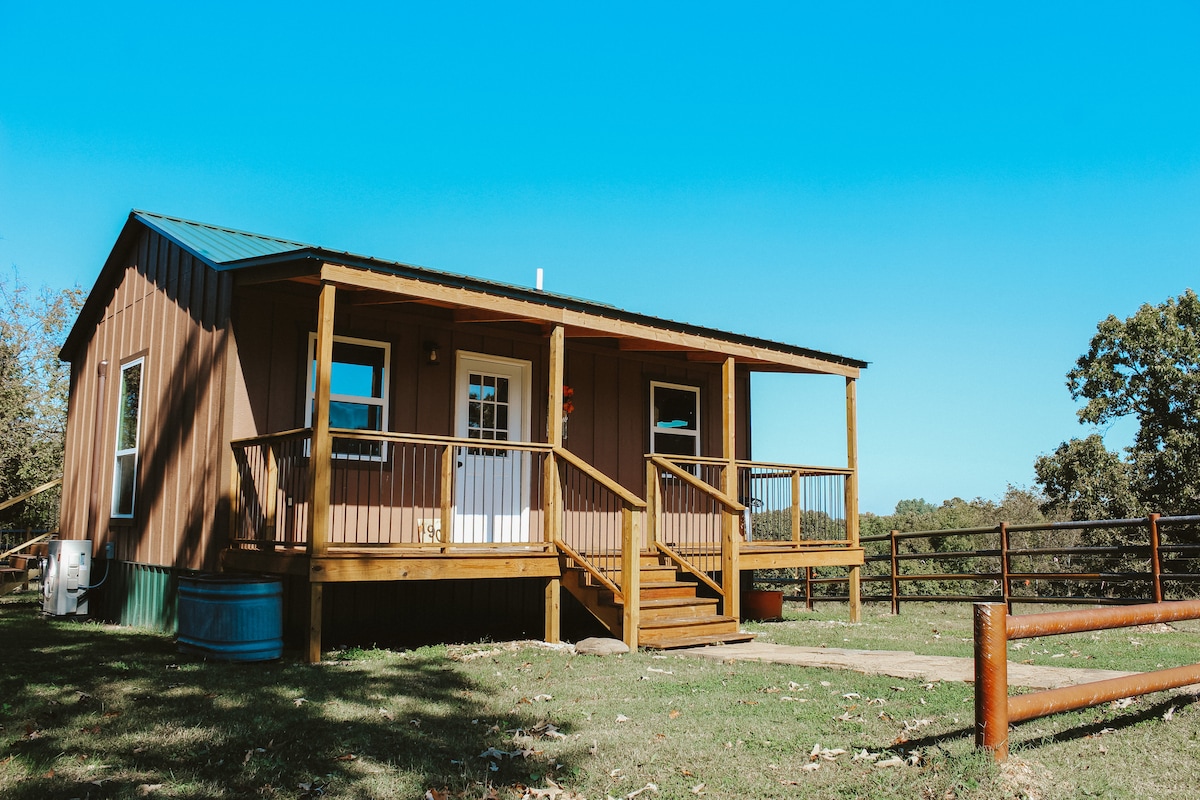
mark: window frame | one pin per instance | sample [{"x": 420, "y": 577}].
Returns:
[
  {"x": 695, "y": 435},
  {"x": 122, "y": 452},
  {"x": 383, "y": 402}
]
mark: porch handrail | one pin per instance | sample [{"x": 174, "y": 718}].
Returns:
[
  {"x": 590, "y": 569},
  {"x": 804, "y": 469},
  {"x": 713, "y": 492},
  {"x": 29, "y": 543},
  {"x": 688, "y": 567},
  {"x": 12, "y": 501},
  {"x": 598, "y": 476},
  {"x": 455, "y": 441}
]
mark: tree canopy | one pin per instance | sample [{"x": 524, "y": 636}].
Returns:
[
  {"x": 33, "y": 396},
  {"x": 1146, "y": 366}
]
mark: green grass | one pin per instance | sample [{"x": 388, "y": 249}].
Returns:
[{"x": 100, "y": 712}]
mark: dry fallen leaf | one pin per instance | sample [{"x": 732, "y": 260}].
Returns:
[
  {"x": 1169, "y": 714},
  {"x": 813, "y": 767},
  {"x": 299, "y": 701},
  {"x": 894, "y": 761},
  {"x": 622, "y": 718},
  {"x": 674, "y": 713}
]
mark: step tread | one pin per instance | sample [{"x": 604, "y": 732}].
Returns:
[
  {"x": 678, "y": 602},
  {"x": 685, "y": 622},
  {"x": 698, "y": 641}
]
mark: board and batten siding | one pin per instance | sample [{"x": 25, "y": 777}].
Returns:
[
  {"x": 172, "y": 310},
  {"x": 608, "y": 428}
]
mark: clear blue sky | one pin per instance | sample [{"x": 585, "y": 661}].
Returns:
[{"x": 954, "y": 192}]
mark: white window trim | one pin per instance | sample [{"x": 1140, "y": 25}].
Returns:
[
  {"x": 383, "y": 402},
  {"x": 675, "y": 431},
  {"x": 137, "y": 438}
]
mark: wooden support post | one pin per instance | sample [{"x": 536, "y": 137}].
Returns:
[
  {"x": 808, "y": 588},
  {"x": 730, "y": 541},
  {"x": 271, "y": 499},
  {"x": 895, "y": 574},
  {"x": 797, "y": 523},
  {"x": 316, "y": 593},
  {"x": 991, "y": 678},
  {"x": 320, "y": 462},
  {"x": 1005, "y": 568},
  {"x": 446, "y": 499},
  {"x": 554, "y": 404},
  {"x": 652, "y": 504},
  {"x": 855, "y": 582},
  {"x": 631, "y": 572},
  {"x": 552, "y": 499},
  {"x": 1155, "y": 558}
]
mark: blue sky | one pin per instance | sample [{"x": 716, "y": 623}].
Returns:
[{"x": 956, "y": 193}]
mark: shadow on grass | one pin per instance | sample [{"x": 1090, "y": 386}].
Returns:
[
  {"x": 93, "y": 711},
  {"x": 1120, "y": 721}
]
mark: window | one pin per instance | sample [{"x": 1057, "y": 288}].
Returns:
[
  {"x": 129, "y": 422},
  {"x": 674, "y": 419},
  {"x": 487, "y": 411},
  {"x": 358, "y": 387}
]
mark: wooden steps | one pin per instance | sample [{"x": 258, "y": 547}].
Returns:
[
  {"x": 12, "y": 579},
  {"x": 16, "y": 574},
  {"x": 671, "y": 613}
]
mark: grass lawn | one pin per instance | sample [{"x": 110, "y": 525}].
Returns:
[{"x": 98, "y": 712}]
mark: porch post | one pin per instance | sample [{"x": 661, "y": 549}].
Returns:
[
  {"x": 730, "y": 578},
  {"x": 552, "y": 492},
  {"x": 319, "y": 463},
  {"x": 855, "y": 585}
]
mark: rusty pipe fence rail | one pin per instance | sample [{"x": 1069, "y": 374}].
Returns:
[
  {"x": 1028, "y": 563},
  {"x": 994, "y": 629}
]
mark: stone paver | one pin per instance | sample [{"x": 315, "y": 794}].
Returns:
[{"x": 899, "y": 664}]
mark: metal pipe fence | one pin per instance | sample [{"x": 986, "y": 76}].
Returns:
[
  {"x": 1144, "y": 560},
  {"x": 994, "y": 629}
]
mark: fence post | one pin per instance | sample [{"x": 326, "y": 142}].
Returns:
[
  {"x": 991, "y": 678},
  {"x": 1005, "y": 591},
  {"x": 895, "y": 580},
  {"x": 1155, "y": 558},
  {"x": 808, "y": 597}
]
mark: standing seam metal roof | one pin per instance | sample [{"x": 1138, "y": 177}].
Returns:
[
  {"x": 219, "y": 245},
  {"x": 226, "y": 248}
]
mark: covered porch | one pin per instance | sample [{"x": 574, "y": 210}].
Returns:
[{"x": 332, "y": 504}]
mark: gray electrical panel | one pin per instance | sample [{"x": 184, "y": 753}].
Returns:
[{"x": 65, "y": 581}]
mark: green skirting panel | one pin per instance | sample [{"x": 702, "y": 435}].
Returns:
[{"x": 139, "y": 595}]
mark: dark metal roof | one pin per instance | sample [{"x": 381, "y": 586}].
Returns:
[
  {"x": 217, "y": 245},
  {"x": 230, "y": 249}
]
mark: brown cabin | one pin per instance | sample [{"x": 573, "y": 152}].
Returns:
[{"x": 247, "y": 403}]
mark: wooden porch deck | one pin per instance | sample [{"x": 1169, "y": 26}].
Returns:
[{"x": 502, "y": 560}]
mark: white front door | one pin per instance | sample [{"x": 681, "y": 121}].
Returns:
[{"x": 491, "y": 484}]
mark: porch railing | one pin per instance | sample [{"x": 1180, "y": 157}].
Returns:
[
  {"x": 787, "y": 502},
  {"x": 391, "y": 489},
  {"x": 689, "y": 520}
]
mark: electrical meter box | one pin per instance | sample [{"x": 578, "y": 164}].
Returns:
[{"x": 65, "y": 581}]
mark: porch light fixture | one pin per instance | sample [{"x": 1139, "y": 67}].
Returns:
[{"x": 431, "y": 353}]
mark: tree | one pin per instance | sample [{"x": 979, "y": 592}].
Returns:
[
  {"x": 33, "y": 396},
  {"x": 1147, "y": 366},
  {"x": 1083, "y": 479}
]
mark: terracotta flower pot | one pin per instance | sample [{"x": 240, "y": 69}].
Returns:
[{"x": 762, "y": 604}]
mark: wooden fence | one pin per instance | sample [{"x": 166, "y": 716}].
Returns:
[{"x": 1028, "y": 563}]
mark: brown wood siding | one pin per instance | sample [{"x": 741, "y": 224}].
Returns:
[
  {"x": 609, "y": 426},
  {"x": 173, "y": 310}
]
